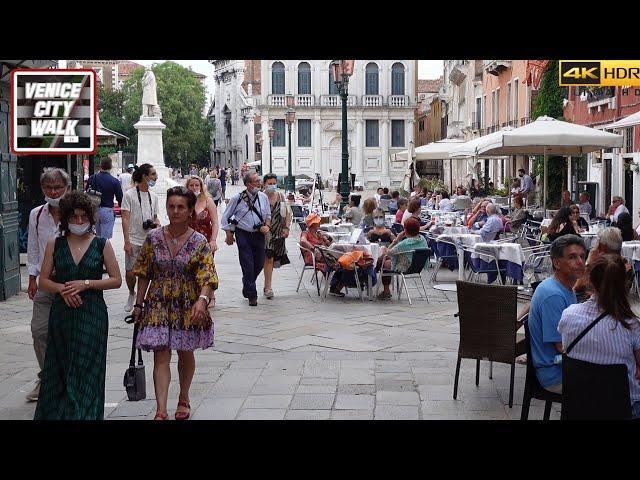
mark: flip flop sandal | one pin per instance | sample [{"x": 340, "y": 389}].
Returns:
[{"x": 183, "y": 415}]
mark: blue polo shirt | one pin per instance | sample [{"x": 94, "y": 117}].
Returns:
[
  {"x": 108, "y": 185},
  {"x": 547, "y": 304}
]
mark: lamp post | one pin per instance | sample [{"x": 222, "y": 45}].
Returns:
[
  {"x": 342, "y": 70},
  {"x": 259, "y": 140},
  {"x": 271, "y": 134},
  {"x": 290, "y": 118}
]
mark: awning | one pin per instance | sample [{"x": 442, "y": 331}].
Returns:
[
  {"x": 630, "y": 121},
  {"x": 432, "y": 151}
]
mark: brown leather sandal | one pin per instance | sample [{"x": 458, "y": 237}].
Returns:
[
  {"x": 160, "y": 416},
  {"x": 183, "y": 415}
]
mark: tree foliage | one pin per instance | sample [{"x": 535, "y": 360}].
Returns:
[
  {"x": 549, "y": 102},
  {"x": 182, "y": 101}
]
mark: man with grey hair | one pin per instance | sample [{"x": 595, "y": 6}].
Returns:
[
  {"x": 493, "y": 226},
  {"x": 248, "y": 216},
  {"x": 550, "y": 299},
  {"x": 618, "y": 204},
  {"x": 609, "y": 242},
  {"x": 43, "y": 225}
]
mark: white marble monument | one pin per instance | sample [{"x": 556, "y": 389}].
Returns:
[{"x": 150, "y": 149}]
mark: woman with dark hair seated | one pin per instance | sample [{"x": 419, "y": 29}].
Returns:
[
  {"x": 626, "y": 227},
  {"x": 564, "y": 223},
  {"x": 616, "y": 337},
  {"x": 73, "y": 377},
  {"x": 394, "y": 258},
  {"x": 380, "y": 233}
]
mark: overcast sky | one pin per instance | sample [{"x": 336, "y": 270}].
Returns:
[{"x": 426, "y": 69}]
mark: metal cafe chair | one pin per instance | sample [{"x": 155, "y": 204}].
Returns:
[
  {"x": 419, "y": 259},
  {"x": 330, "y": 259},
  {"x": 308, "y": 266},
  {"x": 477, "y": 269}
]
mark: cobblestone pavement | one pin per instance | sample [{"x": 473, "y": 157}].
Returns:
[{"x": 293, "y": 357}]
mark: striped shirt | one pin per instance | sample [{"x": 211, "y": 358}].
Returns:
[{"x": 607, "y": 343}]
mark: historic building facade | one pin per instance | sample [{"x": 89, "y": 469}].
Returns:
[{"x": 381, "y": 104}]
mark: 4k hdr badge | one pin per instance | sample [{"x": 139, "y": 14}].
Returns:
[
  {"x": 603, "y": 73},
  {"x": 53, "y": 111}
]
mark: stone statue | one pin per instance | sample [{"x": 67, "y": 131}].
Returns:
[{"x": 150, "y": 107}]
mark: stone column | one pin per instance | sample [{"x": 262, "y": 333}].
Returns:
[
  {"x": 384, "y": 150},
  {"x": 265, "y": 145},
  {"x": 317, "y": 147},
  {"x": 358, "y": 161}
]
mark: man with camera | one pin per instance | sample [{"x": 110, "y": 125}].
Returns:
[
  {"x": 248, "y": 217},
  {"x": 139, "y": 217}
]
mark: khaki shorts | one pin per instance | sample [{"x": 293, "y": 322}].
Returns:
[{"x": 130, "y": 260}]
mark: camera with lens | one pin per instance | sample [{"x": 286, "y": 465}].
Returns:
[
  {"x": 148, "y": 224},
  {"x": 233, "y": 222},
  {"x": 258, "y": 226}
]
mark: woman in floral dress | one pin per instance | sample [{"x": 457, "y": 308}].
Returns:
[{"x": 176, "y": 265}]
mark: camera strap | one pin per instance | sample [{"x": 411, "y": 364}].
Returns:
[
  {"x": 140, "y": 200},
  {"x": 245, "y": 196}
]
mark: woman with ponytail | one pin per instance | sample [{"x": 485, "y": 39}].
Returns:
[{"x": 616, "y": 337}]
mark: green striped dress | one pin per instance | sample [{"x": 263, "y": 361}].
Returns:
[{"x": 73, "y": 377}]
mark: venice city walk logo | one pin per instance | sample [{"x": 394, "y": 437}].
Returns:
[{"x": 53, "y": 111}]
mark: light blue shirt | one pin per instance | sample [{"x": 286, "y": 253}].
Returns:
[
  {"x": 607, "y": 343},
  {"x": 246, "y": 217},
  {"x": 526, "y": 183},
  {"x": 547, "y": 304},
  {"x": 491, "y": 228}
]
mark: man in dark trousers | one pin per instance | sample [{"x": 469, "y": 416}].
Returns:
[
  {"x": 248, "y": 216},
  {"x": 109, "y": 187}
]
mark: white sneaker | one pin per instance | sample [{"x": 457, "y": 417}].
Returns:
[
  {"x": 130, "y": 301},
  {"x": 33, "y": 395}
]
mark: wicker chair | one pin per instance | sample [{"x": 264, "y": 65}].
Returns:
[
  {"x": 532, "y": 387},
  {"x": 487, "y": 315}
]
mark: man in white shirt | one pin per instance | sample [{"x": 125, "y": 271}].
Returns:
[
  {"x": 125, "y": 178},
  {"x": 446, "y": 205},
  {"x": 139, "y": 210},
  {"x": 493, "y": 226},
  {"x": 617, "y": 202},
  {"x": 43, "y": 225}
]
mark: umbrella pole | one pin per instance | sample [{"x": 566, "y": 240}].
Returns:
[{"x": 544, "y": 196}]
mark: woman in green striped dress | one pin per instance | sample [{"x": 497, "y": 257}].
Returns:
[{"x": 73, "y": 378}]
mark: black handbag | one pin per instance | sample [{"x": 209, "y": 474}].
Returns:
[{"x": 134, "y": 378}]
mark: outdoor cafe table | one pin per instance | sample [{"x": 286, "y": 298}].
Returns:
[
  {"x": 631, "y": 250},
  {"x": 510, "y": 258},
  {"x": 445, "y": 249}
]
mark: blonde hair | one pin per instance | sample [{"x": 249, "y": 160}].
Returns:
[{"x": 203, "y": 189}]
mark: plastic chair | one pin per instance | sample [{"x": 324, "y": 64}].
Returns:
[
  {"x": 419, "y": 259},
  {"x": 486, "y": 336},
  {"x": 591, "y": 391},
  {"x": 532, "y": 387}
]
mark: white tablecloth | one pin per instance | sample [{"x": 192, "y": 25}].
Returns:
[
  {"x": 631, "y": 250},
  {"x": 511, "y": 252},
  {"x": 467, "y": 239},
  {"x": 454, "y": 230}
]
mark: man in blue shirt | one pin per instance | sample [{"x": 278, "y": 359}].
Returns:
[
  {"x": 526, "y": 185},
  {"x": 492, "y": 226},
  {"x": 110, "y": 187},
  {"x": 552, "y": 296},
  {"x": 223, "y": 180},
  {"x": 248, "y": 215}
]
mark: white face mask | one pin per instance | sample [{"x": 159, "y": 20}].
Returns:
[
  {"x": 378, "y": 222},
  {"x": 196, "y": 192},
  {"x": 79, "y": 229},
  {"x": 53, "y": 202}
]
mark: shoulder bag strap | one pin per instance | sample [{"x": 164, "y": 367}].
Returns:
[
  {"x": 132, "y": 360},
  {"x": 584, "y": 332}
]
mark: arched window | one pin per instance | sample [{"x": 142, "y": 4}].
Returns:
[
  {"x": 304, "y": 79},
  {"x": 397, "y": 79},
  {"x": 277, "y": 78},
  {"x": 333, "y": 90},
  {"x": 371, "y": 79}
]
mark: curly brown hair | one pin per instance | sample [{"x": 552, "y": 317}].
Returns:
[{"x": 69, "y": 203}]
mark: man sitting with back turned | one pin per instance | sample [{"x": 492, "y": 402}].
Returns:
[
  {"x": 552, "y": 296},
  {"x": 493, "y": 225}
]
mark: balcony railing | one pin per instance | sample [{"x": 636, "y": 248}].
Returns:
[
  {"x": 398, "y": 100},
  {"x": 494, "y": 67},
  {"x": 372, "y": 100},
  {"x": 525, "y": 121},
  {"x": 305, "y": 101},
  {"x": 277, "y": 100},
  {"x": 334, "y": 101}
]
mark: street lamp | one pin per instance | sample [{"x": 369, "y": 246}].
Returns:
[
  {"x": 342, "y": 70},
  {"x": 259, "y": 140},
  {"x": 290, "y": 118},
  {"x": 271, "y": 134}
]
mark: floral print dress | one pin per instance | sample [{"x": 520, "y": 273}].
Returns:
[{"x": 175, "y": 285}]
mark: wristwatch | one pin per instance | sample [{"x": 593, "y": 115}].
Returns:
[{"x": 87, "y": 283}]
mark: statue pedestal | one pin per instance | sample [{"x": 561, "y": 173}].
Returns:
[{"x": 150, "y": 151}]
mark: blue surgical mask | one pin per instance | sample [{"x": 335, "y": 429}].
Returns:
[
  {"x": 271, "y": 188},
  {"x": 151, "y": 183},
  {"x": 379, "y": 222}
]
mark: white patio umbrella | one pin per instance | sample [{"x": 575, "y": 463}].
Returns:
[
  {"x": 546, "y": 136},
  {"x": 434, "y": 150},
  {"x": 630, "y": 121}
]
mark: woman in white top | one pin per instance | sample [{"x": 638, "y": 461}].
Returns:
[{"x": 614, "y": 339}]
